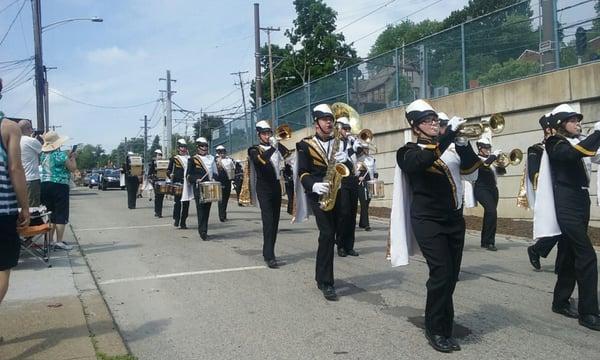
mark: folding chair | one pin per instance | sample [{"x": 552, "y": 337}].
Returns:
[{"x": 35, "y": 237}]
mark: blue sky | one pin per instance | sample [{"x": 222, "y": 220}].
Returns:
[{"x": 118, "y": 62}]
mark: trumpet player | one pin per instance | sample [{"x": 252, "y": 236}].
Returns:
[
  {"x": 432, "y": 178},
  {"x": 366, "y": 170},
  {"x": 176, "y": 173},
  {"x": 313, "y": 156},
  {"x": 347, "y": 197},
  {"x": 570, "y": 182},
  {"x": 225, "y": 174},
  {"x": 486, "y": 192},
  {"x": 201, "y": 168},
  {"x": 543, "y": 245},
  {"x": 266, "y": 160}
]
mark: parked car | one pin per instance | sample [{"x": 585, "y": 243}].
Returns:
[
  {"x": 94, "y": 180},
  {"x": 111, "y": 178},
  {"x": 86, "y": 178}
]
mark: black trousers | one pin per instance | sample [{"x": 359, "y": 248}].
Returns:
[
  {"x": 326, "y": 222},
  {"x": 158, "y": 203},
  {"x": 269, "y": 200},
  {"x": 289, "y": 190},
  {"x": 202, "y": 212},
  {"x": 131, "y": 184},
  {"x": 180, "y": 210},
  {"x": 544, "y": 245},
  {"x": 346, "y": 206},
  {"x": 364, "y": 200},
  {"x": 226, "y": 189},
  {"x": 577, "y": 263},
  {"x": 488, "y": 198},
  {"x": 238, "y": 188},
  {"x": 441, "y": 243}
]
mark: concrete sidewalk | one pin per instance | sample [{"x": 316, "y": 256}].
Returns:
[{"x": 56, "y": 312}]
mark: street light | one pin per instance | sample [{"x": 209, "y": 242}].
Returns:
[{"x": 57, "y": 23}]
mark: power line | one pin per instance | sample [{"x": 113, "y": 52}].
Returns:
[
  {"x": 13, "y": 22},
  {"x": 9, "y": 5},
  {"x": 221, "y": 99},
  {"x": 364, "y": 16},
  {"x": 100, "y": 106},
  {"x": 574, "y": 5}
]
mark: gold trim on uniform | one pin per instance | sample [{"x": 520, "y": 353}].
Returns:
[
  {"x": 448, "y": 174},
  {"x": 303, "y": 175},
  {"x": 314, "y": 150},
  {"x": 259, "y": 157},
  {"x": 583, "y": 150},
  {"x": 476, "y": 166},
  {"x": 177, "y": 162}
]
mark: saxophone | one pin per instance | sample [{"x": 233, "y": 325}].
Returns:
[{"x": 334, "y": 175}]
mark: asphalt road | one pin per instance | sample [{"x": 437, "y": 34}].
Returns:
[{"x": 177, "y": 297}]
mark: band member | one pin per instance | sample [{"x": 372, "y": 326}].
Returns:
[
  {"x": 570, "y": 183},
  {"x": 153, "y": 176},
  {"x": 225, "y": 174},
  {"x": 313, "y": 154},
  {"x": 132, "y": 182},
  {"x": 543, "y": 245},
  {"x": 365, "y": 170},
  {"x": 266, "y": 161},
  {"x": 430, "y": 177},
  {"x": 176, "y": 173},
  {"x": 486, "y": 192},
  {"x": 347, "y": 197},
  {"x": 288, "y": 177},
  {"x": 201, "y": 168},
  {"x": 239, "y": 178}
]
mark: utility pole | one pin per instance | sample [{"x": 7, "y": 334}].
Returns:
[
  {"x": 268, "y": 30},
  {"x": 39, "y": 65},
  {"x": 549, "y": 46},
  {"x": 241, "y": 84},
  {"x": 55, "y": 126},
  {"x": 258, "y": 85},
  {"x": 145, "y": 127},
  {"x": 169, "y": 114},
  {"x": 46, "y": 95}
]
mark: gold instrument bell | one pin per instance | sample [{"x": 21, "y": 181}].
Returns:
[
  {"x": 513, "y": 158},
  {"x": 474, "y": 129},
  {"x": 283, "y": 132}
]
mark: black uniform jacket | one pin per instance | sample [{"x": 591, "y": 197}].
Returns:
[
  {"x": 312, "y": 163},
  {"x": 534, "y": 160},
  {"x": 175, "y": 170},
  {"x": 565, "y": 159},
  {"x": 196, "y": 170},
  {"x": 486, "y": 177},
  {"x": 432, "y": 186},
  {"x": 265, "y": 173}
]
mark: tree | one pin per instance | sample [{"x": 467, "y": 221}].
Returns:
[
  {"x": 478, "y": 8},
  {"x": 90, "y": 156},
  {"x": 206, "y": 125},
  {"x": 155, "y": 144},
  {"x": 509, "y": 70},
  {"x": 406, "y": 32}
]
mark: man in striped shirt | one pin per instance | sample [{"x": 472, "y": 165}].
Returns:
[{"x": 13, "y": 193}]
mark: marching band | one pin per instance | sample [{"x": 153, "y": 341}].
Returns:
[{"x": 333, "y": 171}]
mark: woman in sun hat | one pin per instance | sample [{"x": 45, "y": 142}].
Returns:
[{"x": 57, "y": 166}]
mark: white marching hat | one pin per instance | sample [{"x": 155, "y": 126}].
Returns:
[
  {"x": 201, "y": 140},
  {"x": 418, "y": 110},
  {"x": 220, "y": 147},
  {"x": 321, "y": 111},
  {"x": 263, "y": 126},
  {"x": 484, "y": 141},
  {"x": 563, "y": 112},
  {"x": 181, "y": 142},
  {"x": 443, "y": 117},
  {"x": 129, "y": 153},
  {"x": 343, "y": 120},
  {"x": 158, "y": 151}
]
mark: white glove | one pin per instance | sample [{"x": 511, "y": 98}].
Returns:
[
  {"x": 461, "y": 141},
  {"x": 455, "y": 123},
  {"x": 273, "y": 141},
  {"x": 341, "y": 156},
  {"x": 320, "y": 188},
  {"x": 597, "y": 126},
  {"x": 496, "y": 153},
  {"x": 356, "y": 145}
]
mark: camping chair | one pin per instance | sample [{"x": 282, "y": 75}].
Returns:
[{"x": 35, "y": 237}]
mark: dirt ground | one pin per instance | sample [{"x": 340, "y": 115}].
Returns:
[{"x": 506, "y": 226}]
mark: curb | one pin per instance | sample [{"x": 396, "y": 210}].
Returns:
[{"x": 104, "y": 332}]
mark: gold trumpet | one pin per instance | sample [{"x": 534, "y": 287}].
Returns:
[
  {"x": 474, "y": 129},
  {"x": 513, "y": 158},
  {"x": 283, "y": 132}
]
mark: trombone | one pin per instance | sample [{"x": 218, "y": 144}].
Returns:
[{"x": 513, "y": 158}]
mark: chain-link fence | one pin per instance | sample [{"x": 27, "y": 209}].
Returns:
[{"x": 507, "y": 44}]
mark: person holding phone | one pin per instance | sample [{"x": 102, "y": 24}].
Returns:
[{"x": 57, "y": 167}]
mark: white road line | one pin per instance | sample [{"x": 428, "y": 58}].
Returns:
[
  {"x": 123, "y": 227},
  {"x": 165, "y": 276}
]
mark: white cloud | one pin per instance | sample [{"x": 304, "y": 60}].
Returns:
[{"x": 113, "y": 56}]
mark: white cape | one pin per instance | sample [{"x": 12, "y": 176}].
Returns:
[
  {"x": 301, "y": 208},
  {"x": 470, "y": 201},
  {"x": 402, "y": 239},
  {"x": 544, "y": 214},
  {"x": 188, "y": 189}
]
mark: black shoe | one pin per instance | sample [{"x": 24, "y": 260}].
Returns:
[
  {"x": 534, "y": 258},
  {"x": 454, "y": 345},
  {"x": 351, "y": 252},
  {"x": 491, "y": 247},
  {"x": 342, "y": 252},
  {"x": 159, "y": 216},
  {"x": 328, "y": 292},
  {"x": 183, "y": 226},
  {"x": 590, "y": 321},
  {"x": 204, "y": 236},
  {"x": 272, "y": 264},
  {"x": 439, "y": 343},
  {"x": 222, "y": 220},
  {"x": 567, "y": 311},
  {"x": 176, "y": 223},
  {"x": 368, "y": 228}
]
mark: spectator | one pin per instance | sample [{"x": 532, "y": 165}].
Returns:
[
  {"x": 13, "y": 193},
  {"x": 56, "y": 175},
  {"x": 30, "y": 157}
]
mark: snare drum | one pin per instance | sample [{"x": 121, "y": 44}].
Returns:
[
  {"x": 176, "y": 189},
  {"x": 209, "y": 191},
  {"x": 135, "y": 162},
  {"x": 376, "y": 189},
  {"x": 161, "y": 168},
  {"x": 160, "y": 187}
]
